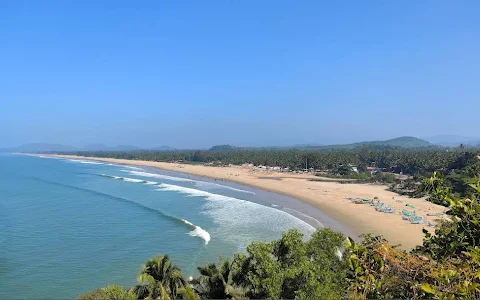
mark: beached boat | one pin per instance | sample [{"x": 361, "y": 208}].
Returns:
[
  {"x": 406, "y": 215},
  {"x": 417, "y": 220},
  {"x": 388, "y": 210},
  {"x": 362, "y": 201},
  {"x": 435, "y": 214}
]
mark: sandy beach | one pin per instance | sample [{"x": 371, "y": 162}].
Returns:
[{"x": 327, "y": 196}]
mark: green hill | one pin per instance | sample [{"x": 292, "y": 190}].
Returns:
[
  {"x": 223, "y": 148},
  {"x": 401, "y": 142},
  {"x": 404, "y": 142}
]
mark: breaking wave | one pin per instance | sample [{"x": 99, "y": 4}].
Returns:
[
  {"x": 181, "y": 179},
  {"x": 89, "y": 162},
  {"x": 207, "y": 184},
  {"x": 130, "y": 179},
  {"x": 160, "y": 176},
  {"x": 198, "y": 231},
  {"x": 133, "y": 168},
  {"x": 238, "y": 220}
]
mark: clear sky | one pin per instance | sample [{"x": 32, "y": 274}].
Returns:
[{"x": 248, "y": 73}]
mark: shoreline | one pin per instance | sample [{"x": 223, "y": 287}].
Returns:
[{"x": 329, "y": 197}]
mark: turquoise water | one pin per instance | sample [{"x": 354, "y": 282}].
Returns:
[{"x": 71, "y": 226}]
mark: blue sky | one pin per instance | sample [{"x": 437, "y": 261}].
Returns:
[{"x": 249, "y": 73}]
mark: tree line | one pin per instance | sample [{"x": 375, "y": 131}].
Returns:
[{"x": 407, "y": 161}]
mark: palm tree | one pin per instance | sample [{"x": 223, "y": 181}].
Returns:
[
  {"x": 159, "y": 278},
  {"x": 145, "y": 287},
  {"x": 217, "y": 283}
]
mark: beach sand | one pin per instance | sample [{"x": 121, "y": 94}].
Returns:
[{"x": 327, "y": 196}]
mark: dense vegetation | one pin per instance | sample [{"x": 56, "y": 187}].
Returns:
[
  {"x": 329, "y": 266},
  {"x": 397, "y": 160}
]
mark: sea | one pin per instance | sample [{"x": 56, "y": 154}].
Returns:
[{"x": 69, "y": 226}]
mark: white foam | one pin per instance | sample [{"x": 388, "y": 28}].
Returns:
[
  {"x": 43, "y": 156},
  {"x": 129, "y": 179},
  {"x": 180, "y": 179},
  {"x": 189, "y": 191},
  {"x": 151, "y": 183},
  {"x": 207, "y": 184},
  {"x": 133, "y": 168},
  {"x": 153, "y": 175},
  {"x": 239, "y": 221},
  {"x": 89, "y": 162},
  {"x": 198, "y": 231},
  {"x": 132, "y": 180}
]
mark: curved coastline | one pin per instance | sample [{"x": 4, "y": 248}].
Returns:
[{"x": 327, "y": 198}]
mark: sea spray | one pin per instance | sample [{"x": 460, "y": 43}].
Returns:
[{"x": 198, "y": 231}]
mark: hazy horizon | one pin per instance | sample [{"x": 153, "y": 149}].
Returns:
[
  {"x": 194, "y": 75},
  {"x": 446, "y": 140}
]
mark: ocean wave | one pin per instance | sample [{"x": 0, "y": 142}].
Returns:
[
  {"x": 207, "y": 184},
  {"x": 133, "y": 180},
  {"x": 114, "y": 165},
  {"x": 160, "y": 176},
  {"x": 189, "y": 191},
  {"x": 198, "y": 231},
  {"x": 238, "y": 220},
  {"x": 133, "y": 168},
  {"x": 181, "y": 179},
  {"x": 89, "y": 162},
  {"x": 50, "y": 157},
  {"x": 111, "y": 176},
  {"x": 129, "y": 179}
]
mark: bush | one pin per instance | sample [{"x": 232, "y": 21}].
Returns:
[{"x": 111, "y": 292}]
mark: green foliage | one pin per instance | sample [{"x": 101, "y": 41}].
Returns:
[
  {"x": 399, "y": 160},
  {"x": 454, "y": 238},
  {"x": 380, "y": 271},
  {"x": 384, "y": 177},
  {"x": 217, "y": 282},
  {"x": 291, "y": 268},
  {"x": 159, "y": 278},
  {"x": 188, "y": 293},
  {"x": 111, "y": 292}
]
